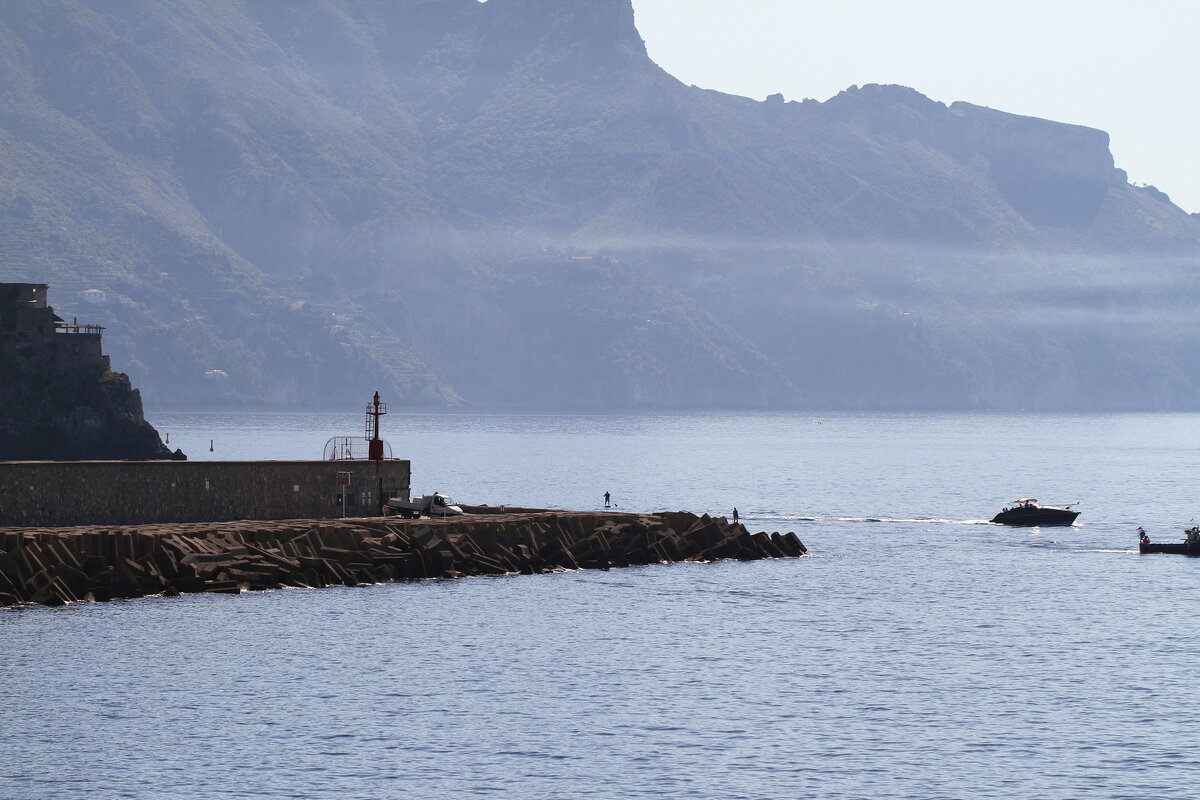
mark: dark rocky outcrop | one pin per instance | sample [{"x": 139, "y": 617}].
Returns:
[
  {"x": 64, "y": 565},
  {"x": 84, "y": 414},
  {"x": 59, "y": 398}
]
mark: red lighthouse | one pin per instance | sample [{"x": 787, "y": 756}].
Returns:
[
  {"x": 375, "y": 446},
  {"x": 374, "y": 443}
]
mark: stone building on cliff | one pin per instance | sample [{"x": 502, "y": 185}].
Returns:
[{"x": 59, "y": 398}]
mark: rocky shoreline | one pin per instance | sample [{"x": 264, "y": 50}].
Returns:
[{"x": 56, "y": 566}]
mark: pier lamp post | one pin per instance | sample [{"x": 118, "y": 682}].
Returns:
[{"x": 343, "y": 479}]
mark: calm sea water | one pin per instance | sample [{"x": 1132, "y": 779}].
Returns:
[{"x": 918, "y": 653}]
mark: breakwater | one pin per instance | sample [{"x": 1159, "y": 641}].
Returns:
[{"x": 55, "y": 566}]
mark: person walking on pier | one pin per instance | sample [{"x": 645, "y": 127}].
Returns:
[{"x": 607, "y": 499}]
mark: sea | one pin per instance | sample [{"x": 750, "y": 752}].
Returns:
[{"x": 917, "y": 652}]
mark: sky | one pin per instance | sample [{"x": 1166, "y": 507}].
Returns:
[{"x": 1128, "y": 68}]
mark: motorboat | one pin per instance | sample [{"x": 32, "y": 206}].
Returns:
[
  {"x": 1188, "y": 547},
  {"x": 1026, "y": 512}
]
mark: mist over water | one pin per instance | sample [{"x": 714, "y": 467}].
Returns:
[{"x": 919, "y": 652}]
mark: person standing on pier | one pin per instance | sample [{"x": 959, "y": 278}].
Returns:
[
  {"x": 607, "y": 499},
  {"x": 735, "y": 518}
]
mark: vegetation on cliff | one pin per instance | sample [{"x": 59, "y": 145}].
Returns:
[{"x": 508, "y": 203}]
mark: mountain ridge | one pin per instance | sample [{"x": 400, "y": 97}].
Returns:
[{"x": 318, "y": 199}]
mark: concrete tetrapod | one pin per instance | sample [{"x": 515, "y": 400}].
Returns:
[{"x": 55, "y": 566}]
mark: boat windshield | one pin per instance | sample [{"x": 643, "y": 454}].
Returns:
[{"x": 443, "y": 500}]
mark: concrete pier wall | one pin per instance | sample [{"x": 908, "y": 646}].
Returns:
[{"x": 53, "y": 493}]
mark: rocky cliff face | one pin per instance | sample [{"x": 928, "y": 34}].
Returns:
[
  {"x": 59, "y": 400},
  {"x": 1054, "y": 175},
  {"x": 86, "y": 414},
  {"x": 508, "y": 204}
]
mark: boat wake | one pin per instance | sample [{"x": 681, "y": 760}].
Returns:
[{"x": 888, "y": 520}]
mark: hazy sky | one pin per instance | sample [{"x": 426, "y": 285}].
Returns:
[{"x": 1128, "y": 68}]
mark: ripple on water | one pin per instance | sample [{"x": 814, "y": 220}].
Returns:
[{"x": 919, "y": 653}]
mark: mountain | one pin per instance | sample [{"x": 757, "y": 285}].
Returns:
[{"x": 509, "y": 204}]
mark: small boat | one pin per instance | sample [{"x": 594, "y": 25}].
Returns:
[
  {"x": 1027, "y": 512},
  {"x": 1188, "y": 547}
]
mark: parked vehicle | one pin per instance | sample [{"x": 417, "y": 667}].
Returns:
[{"x": 429, "y": 505}]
